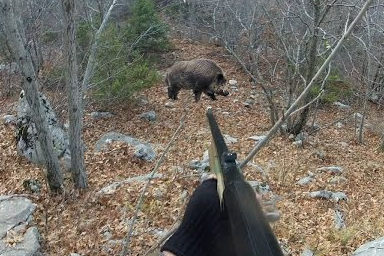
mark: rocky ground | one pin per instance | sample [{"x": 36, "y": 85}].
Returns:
[{"x": 90, "y": 223}]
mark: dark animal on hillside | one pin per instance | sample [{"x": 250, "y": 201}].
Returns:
[{"x": 199, "y": 75}]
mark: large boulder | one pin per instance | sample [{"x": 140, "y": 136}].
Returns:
[
  {"x": 143, "y": 150},
  {"x": 28, "y": 144},
  {"x": 17, "y": 238},
  {"x": 375, "y": 247}
]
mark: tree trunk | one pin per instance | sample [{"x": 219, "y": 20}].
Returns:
[
  {"x": 30, "y": 85},
  {"x": 298, "y": 126},
  {"x": 75, "y": 108}
]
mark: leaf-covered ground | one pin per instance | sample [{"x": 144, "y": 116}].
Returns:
[{"x": 88, "y": 224}]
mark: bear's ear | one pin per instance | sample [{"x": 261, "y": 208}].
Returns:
[{"x": 221, "y": 79}]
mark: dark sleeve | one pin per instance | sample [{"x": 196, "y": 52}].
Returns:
[{"x": 200, "y": 225}]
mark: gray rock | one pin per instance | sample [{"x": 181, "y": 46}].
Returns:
[
  {"x": 149, "y": 116},
  {"x": 15, "y": 214},
  {"x": 110, "y": 245},
  {"x": 373, "y": 248},
  {"x": 29, "y": 246},
  {"x": 249, "y": 103},
  {"x": 200, "y": 165},
  {"x": 229, "y": 140},
  {"x": 143, "y": 150},
  {"x": 311, "y": 174},
  {"x": 315, "y": 127},
  {"x": 339, "y": 125},
  {"x": 375, "y": 97},
  {"x": 159, "y": 233},
  {"x": 298, "y": 143},
  {"x": 74, "y": 254},
  {"x": 28, "y": 144},
  {"x": 320, "y": 154},
  {"x": 305, "y": 181},
  {"x": 339, "y": 220},
  {"x": 337, "y": 196},
  {"x": 300, "y": 137},
  {"x": 107, "y": 235},
  {"x": 341, "y": 105},
  {"x": 13, "y": 211},
  {"x": 358, "y": 116},
  {"x": 261, "y": 187},
  {"x": 32, "y": 185},
  {"x": 232, "y": 82},
  {"x": 10, "y": 119},
  {"x": 169, "y": 104},
  {"x": 99, "y": 115},
  {"x": 158, "y": 194},
  {"x": 325, "y": 194},
  {"x": 194, "y": 164},
  {"x": 307, "y": 252},
  {"x": 331, "y": 169},
  {"x": 257, "y": 138}
]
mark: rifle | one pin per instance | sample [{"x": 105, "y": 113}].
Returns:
[{"x": 251, "y": 232}]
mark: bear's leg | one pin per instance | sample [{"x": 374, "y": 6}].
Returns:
[
  {"x": 173, "y": 91},
  {"x": 197, "y": 95},
  {"x": 211, "y": 94}
]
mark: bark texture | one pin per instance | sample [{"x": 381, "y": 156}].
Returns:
[
  {"x": 16, "y": 42},
  {"x": 75, "y": 109}
]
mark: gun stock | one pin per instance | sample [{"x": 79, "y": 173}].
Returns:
[{"x": 251, "y": 232}]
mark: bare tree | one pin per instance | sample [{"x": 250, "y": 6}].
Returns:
[
  {"x": 75, "y": 108},
  {"x": 294, "y": 107},
  {"x": 92, "y": 56},
  {"x": 16, "y": 43}
]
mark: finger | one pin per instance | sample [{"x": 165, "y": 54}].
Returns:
[{"x": 207, "y": 176}]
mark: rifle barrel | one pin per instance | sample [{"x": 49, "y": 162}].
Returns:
[{"x": 250, "y": 230}]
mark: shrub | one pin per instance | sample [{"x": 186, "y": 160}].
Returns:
[
  {"x": 335, "y": 89},
  {"x": 147, "y": 25},
  {"x": 123, "y": 57},
  {"x": 129, "y": 79},
  {"x": 84, "y": 38}
]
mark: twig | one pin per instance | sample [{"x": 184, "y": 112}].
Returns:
[{"x": 127, "y": 238}]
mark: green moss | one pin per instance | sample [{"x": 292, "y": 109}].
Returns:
[
  {"x": 128, "y": 53},
  {"x": 336, "y": 89}
]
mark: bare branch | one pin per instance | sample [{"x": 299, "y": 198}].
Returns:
[
  {"x": 92, "y": 56},
  {"x": 294, "y": 106}
]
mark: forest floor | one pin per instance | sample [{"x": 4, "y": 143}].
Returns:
[{"x": 85, "y": 223}]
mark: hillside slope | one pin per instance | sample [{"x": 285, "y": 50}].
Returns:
[{"x": 87, "y": 224}]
